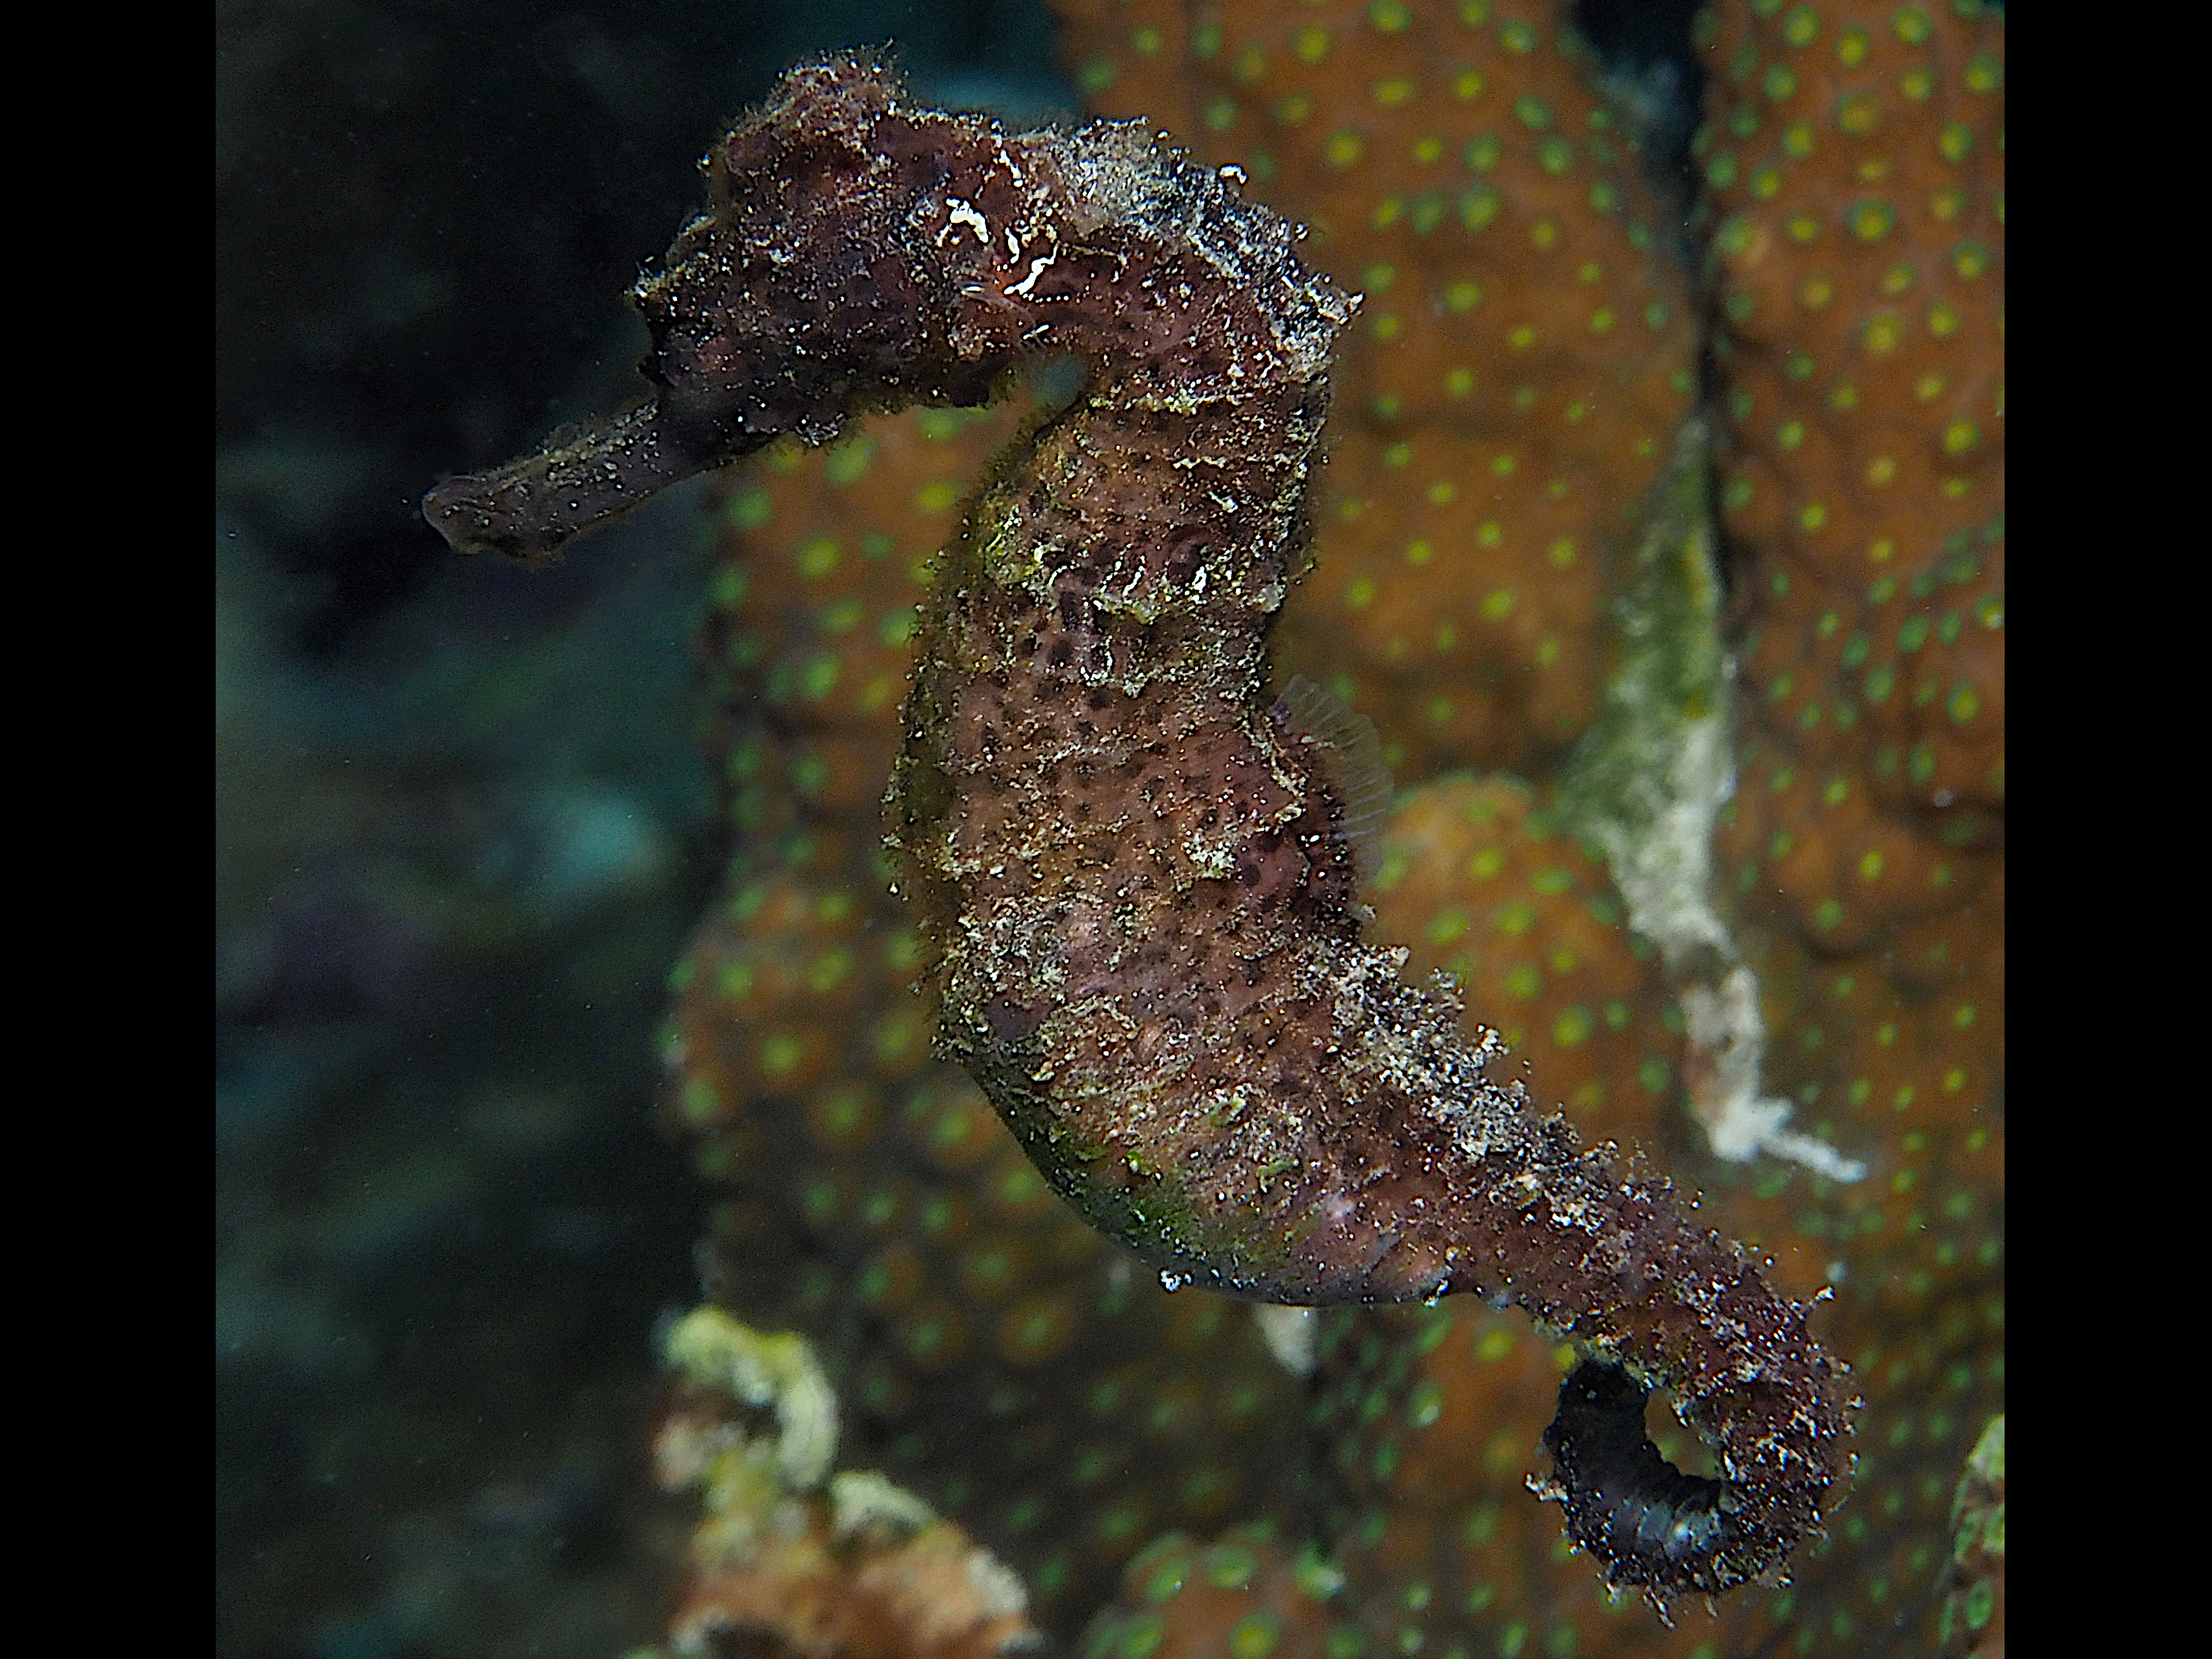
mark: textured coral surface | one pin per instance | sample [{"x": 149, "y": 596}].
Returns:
[
  {"x": 1855, "y": 162},
  {"x": 1245, "y": 1595},
  {"x": 1855, "y": 169}
]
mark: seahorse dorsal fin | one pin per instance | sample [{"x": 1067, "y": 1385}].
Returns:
[{"x": 1346, "y": 742}]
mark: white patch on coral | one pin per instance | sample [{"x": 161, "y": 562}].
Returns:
[
  {"x": 1289, "y": 1333},
  {"x": 775, "y": 1371},
  {"x": 1666, "y": 871},
  {"x": 860, "y": 1497},
  {"x": 1655, "y": 773},
  {"x": 998, "y": 1590},
  {"x": 1727, "y": 1038}
]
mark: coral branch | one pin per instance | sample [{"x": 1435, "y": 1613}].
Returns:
[{"x": 1140, "y": 872}]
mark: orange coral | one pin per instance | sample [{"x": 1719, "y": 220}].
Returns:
[
  {"x": 808, "y": 639},
  {"x": 1896, "y": 1054},
  {"x": 1855, "y": 158},
  {"x": 1243, "y": 1596}
]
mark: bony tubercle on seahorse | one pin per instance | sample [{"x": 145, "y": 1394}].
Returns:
[{"x": 1137, "y": 868}]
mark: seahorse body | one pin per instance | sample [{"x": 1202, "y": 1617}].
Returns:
[{"x": 1135, "y": 865}]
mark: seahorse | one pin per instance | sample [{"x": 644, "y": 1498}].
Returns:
[{"x": 1139, "y": 871}]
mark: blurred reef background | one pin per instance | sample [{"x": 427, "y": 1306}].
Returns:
[{"x": 475, "y": 823}]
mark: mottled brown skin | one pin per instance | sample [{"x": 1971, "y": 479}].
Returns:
[{"x": 1134, "y": 869}]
